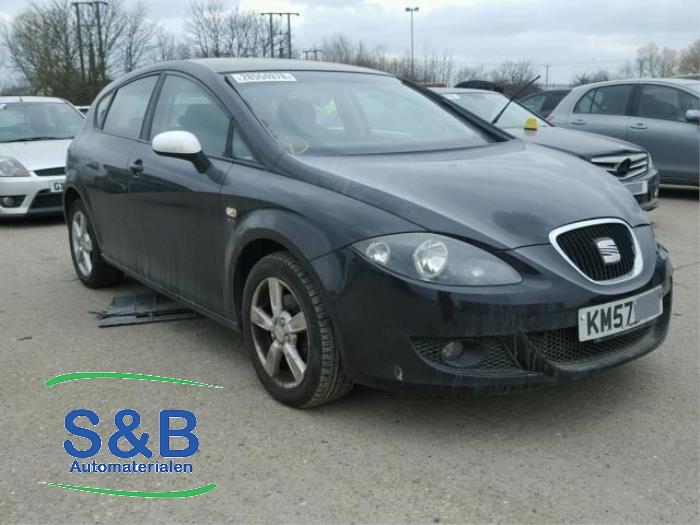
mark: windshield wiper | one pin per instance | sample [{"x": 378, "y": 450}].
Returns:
[
  {"x": 520, "y": 91},
  {"x": 34, "y": 139}
]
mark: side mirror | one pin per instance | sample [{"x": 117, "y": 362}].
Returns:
[
  {"x": 693, "y": 115},
  {"x": 181, "y": 145}
]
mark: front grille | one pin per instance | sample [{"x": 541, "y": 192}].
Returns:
[
  {"x": 497, "y": 358},
  {"x": 625, "y": 165},
  {"x": 47, "y": 200},
  {"x": 50, "y": 172},
  {"x": 563, "y": 346},
  {"x": 579, "y": 246}
]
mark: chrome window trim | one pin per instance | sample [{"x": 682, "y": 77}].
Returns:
[{"x": 638, "y": 259}]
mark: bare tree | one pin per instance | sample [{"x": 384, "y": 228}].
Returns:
[
  {"x": 431, "y": 67},
  {"x": 589, "y": 77},
  {"x": 471, "y": 73},
  {"x": 212, "y": 30},
  {"x": 48, "y": 63},
  {"x": 43, "y": 44},
  {"x": 164, "y": 47},
  {"x": 652, "y": 61},
  {"x": 138, "y": 37},
  {"x": 689, "y": 61},
  {"x": 512, "y": 76}
]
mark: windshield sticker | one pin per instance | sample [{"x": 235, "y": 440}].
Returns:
[
  {"x": 267, "y": 76},
  {"x": 451, "y": 96}
]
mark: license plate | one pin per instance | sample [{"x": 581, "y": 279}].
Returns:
[
  {"x": 607, "y": 319},
  {"x": 638, "y": 188},
  {"x": 56, "y": 187}
]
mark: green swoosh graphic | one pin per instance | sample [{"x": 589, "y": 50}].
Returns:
[
  {"x": 75, "y": 376},
  {"x": 187, "y": 493}
]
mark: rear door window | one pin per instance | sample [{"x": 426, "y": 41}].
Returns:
[
  {"x": 607, "y": 100},
  {"x": 665, "y": 103},
  {"x": 126, "y": 114}
]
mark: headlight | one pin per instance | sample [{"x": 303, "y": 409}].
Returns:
[
  {"x": 9, "y": 167},
  {"x": 437, "y": 259}
]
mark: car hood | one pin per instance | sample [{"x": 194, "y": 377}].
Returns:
[
  {"x": 580, "y": 143},
  {"x": 503, "y": 195},
  {"x": 37, "y": 155}
]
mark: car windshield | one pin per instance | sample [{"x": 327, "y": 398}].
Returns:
[
  {"x": 29, "y": 121},
  {"x": 488, "y": 104},
  {"x": 330, "y": 113}
]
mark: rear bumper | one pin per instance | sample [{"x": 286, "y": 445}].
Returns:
[
  {"x": 392, "y": 331},
  {"x": 33, "y": 195}
]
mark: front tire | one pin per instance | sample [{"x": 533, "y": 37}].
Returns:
[
  {"x": 91, "y": 268},
  {"x": 289, "y": 334}
]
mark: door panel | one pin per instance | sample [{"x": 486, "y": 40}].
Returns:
[
  {"x": 107, "y": 184},
  {"x": 108, "y": 181},
  {"x": 659, "y": 126},
  {"x": 674, "y": 147},
  {"x": 603, "y": 110},
  {"x": 180, "y": 236}
]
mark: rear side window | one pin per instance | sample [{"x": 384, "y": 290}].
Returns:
[
  {"x": 665, "y": 103},
  {"x": 101, "y": 109},
  {"x": 125, "y": 116},
  {"x": 608, "y": 100},
  {"x": 185, "y": 105},
  {"x": 551, "y": 101},
  {"x": 533, "y": 103}
]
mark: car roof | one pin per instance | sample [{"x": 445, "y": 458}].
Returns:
[
  {"x": 16, "y": 99},
  {"x": 679, "y": 82},
  {"x": 234, "y": 65}
]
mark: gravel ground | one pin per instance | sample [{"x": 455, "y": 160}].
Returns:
[{"x": 622, "y": 447}]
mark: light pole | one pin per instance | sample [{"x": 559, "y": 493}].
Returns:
[{"x": 412, "y": 10}]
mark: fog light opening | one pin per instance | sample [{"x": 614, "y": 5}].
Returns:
[
  {"x": 463, "y": 353},
  {"x": 8, "y": 202},
  {"x": 452, "y": 351}
]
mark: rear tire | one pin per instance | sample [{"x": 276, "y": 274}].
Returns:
[
  {"x": 289, "y": 335},
  {"x": 91, "y": 268}
]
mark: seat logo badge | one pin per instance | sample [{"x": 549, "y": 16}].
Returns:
[
  {"x": 231, "y": 213},
  {"x": 608, "y": 250},
  {"x": 623, "y": 168}
]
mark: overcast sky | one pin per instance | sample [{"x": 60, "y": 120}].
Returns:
[{"x": 571, "y": 35}]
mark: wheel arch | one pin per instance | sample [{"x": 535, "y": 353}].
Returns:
[{"x": 264, "y": 232}]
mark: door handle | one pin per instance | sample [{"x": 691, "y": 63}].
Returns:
[
  {"x": 638, "y": 125},
  {"x": 136, "y": 167},
  {"x": 579, "y": 122}
]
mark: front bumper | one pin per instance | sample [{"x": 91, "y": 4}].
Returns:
[
  {"x": 33, "y": 194},
  {"x": 391, "y": 330},
  {"x": 645, "y": 189}
]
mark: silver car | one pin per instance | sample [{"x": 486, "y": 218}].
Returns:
[
  {"x": 629, "y": 163},
  {"x": 35, "y": 133},
  {"x": 661, "y": 115}
]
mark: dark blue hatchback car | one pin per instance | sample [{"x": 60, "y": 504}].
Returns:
[{"x": 360, "y": 229}]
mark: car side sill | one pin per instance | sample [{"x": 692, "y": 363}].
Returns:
[{"x": 228, "y": 323}]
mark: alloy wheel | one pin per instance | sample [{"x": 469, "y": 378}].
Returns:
[
  {"x": 280, "y": 334},
  {"x": 82, "y": 243}
]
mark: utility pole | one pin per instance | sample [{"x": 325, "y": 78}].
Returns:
[
  {"x": 100, "y": 73},
  {"x": 546, "y": 76},
  {"x": 289, "y": 32},
  {"x": 314, "y": 51},
  {"x": 80, "y": 40},
  {"x": 412, "y": 10}
]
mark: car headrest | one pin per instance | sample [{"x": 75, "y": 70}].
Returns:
[
  {"x": 297, "y": 115},
  {"x": 200, "y": 117}
]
